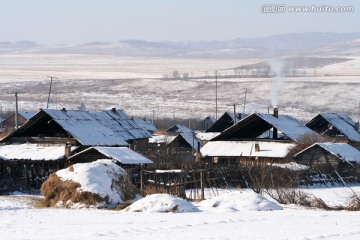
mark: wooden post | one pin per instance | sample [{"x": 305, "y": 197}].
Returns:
[
  {"x": 202, "y": 185},
  {"x": 141, "y": 183}
]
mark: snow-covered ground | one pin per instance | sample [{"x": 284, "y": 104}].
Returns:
[
  {"x": 102, "y": 82},
  {"x": 19, "y": 221}
]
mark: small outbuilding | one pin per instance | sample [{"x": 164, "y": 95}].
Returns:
[
  {"x": 178, "y": 128},
  {"x": 338, "y": 126},
  {"x": 124, "y": 156},
  {"x": 30, "y": 164},
  {"x": 225, "y": 121},
  {"x": 206, "y": 123},
  {"x": 328, "y": 153}
]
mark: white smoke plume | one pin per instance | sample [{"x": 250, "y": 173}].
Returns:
[{"x": 278, "y": 81}]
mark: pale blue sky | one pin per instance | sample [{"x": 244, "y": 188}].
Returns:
[{"x": 79, "y": 21}]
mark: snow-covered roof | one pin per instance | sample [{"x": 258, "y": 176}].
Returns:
[
  {"x": 190, "y": 138},
  {"x": 27, "y": 115},
  {"x": 106, "y": 128},
  {"x": 32, "y": 152},
  {"x": 211, "y": 118},
  {"x": 245, "y": 148},
  {"x": 206, "y": 136},
  {"x": 343, "y": 151},
  {"x": 288, "y": 125},
  {"x": 123, "y": 155},
  {"x": 343, "y": 123},
  {"x": 253, "y": 126},
  {"x": 145, "y": 124},
  {"x": 161, "y": 139},
  {"x": 238, "y": 116},
  {"x": 179, "y": 128}
]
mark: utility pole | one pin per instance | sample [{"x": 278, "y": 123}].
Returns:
[
  {"x": 216, "y": 95},
  {"x": 357, "y": 125},
  {"x": 244, "y": 101},
  {"x": 16, "y": 108},
  {"x": 234, "y": 105},
  {"x": 51, "y": 80}
]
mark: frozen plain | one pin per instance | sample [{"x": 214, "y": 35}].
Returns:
[{"x": 136, "y": 85}]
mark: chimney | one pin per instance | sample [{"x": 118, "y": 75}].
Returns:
[
  {"x": 113, "y": 109},
  {"x": 67, "y": 150},
  {"x": 257, "y": 147},
  {"x": 275, "y": 131},
  {"x": 276, "y": 112}
]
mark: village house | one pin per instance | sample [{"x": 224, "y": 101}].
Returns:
[
  {"x": 258, "y": 138},
  {"x": 71, "y": 131},
  {"x": 8, "y": 123},
  {"x": 30, "y": 163},
  {"x": 185, "y": 144},
  {"x": 81, "y": 128},
  {"x": 123, "y": 156},
  {"x": 178, "y": 128},
  {"x": 338, "y": 127},
  {"x": 328, "y": 153},
  {"x": 225, "y": 121},
  {"x": 205, "y": 124}
]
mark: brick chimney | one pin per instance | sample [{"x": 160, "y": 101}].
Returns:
[
  {"x": 67, "y": 150},
  {"x": 357, "y": 126},
  {"x": 276, "y": 112},
  {"x": 275, "y": 131},
  {"x": 257, "y": 147}
]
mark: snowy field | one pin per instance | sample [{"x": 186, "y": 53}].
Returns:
[
  {"x": 19, "y": 220},
  {"x": 136, "y": 85}
]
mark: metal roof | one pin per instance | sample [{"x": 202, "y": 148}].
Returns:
[
  {"x": 123, "y": 155},
  {"x": 145, "y": 124},
  {"x": 342, "y": 122},
  {"x": 190, "y": 138},
  {"x": 343, "y": 151},
  {"x": 107, "y": 128},
  {"x": 179, "y": 128},
  {"x": 257, "y": 123},
  {"x": 27, "y": 115}
]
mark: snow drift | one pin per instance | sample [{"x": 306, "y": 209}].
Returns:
[
  {"x": 101, "y": 184},
  {"x": 239, "y": 201},
  {"x": 162, "y": 203}
]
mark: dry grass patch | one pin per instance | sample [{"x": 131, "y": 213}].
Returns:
[{"x": 56, "y": 190}]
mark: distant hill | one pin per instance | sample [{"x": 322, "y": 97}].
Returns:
[{"x": 262, "y": 47}]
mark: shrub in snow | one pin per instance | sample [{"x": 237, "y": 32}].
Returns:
[
  {"x": 240, "y": 200},
  {"x": 162, "y": 203},
  {"x": 101, "y": 183}
]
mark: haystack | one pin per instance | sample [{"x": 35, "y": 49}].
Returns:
[{"x": 98, "y": 184}]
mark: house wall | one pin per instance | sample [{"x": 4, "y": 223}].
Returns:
[
  {"x": 140, "y": 144},
  {"x": 17, "y": 175},
  {"x": 317, "y": 156},
  {"x": 204, "y": 125},
  {"x": 9, "y": 122},
  {"x": 247, "y": 161}
]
